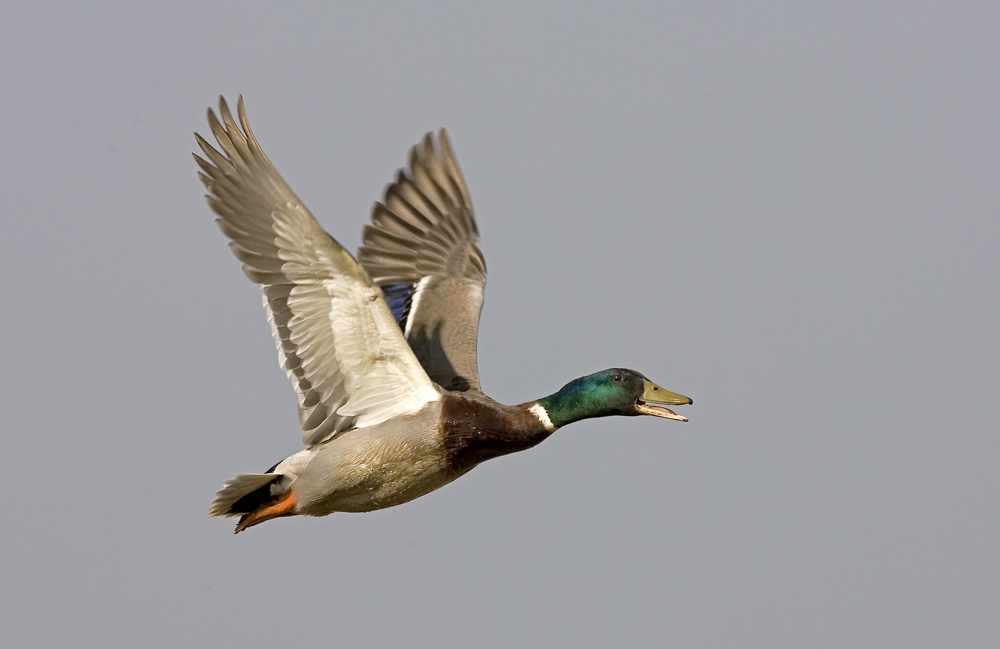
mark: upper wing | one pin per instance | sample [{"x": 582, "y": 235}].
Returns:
[
  {"x": 336, "y": 338},
  {"x": 423, "y": 250}
]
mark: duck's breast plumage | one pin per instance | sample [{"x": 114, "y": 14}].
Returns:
[{"x": 477, "y": 428}]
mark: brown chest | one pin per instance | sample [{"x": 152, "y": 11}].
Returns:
[{"x": 477, "y": 430}]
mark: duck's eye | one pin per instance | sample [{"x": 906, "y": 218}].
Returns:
[{"x": 617, "y": 378}]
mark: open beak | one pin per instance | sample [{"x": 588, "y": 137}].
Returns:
[{"x": 655, "y": 399}]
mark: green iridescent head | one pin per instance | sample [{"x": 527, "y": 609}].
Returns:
[{"x": 611, "y": 392}]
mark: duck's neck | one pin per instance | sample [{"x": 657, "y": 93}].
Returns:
[
  {"x": 574, "y": 402},
  {"x": 478, "y": 429}
]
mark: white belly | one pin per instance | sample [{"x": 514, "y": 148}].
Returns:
[{"x": 368, "y": 469}]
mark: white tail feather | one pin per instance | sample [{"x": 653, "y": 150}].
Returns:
[{"x": 235, "y": 488}]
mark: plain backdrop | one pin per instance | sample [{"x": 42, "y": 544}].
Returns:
[{"x": 787, "y": 211}]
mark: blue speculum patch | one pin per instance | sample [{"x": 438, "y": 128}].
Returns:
[{"x": 398, "y": 297}]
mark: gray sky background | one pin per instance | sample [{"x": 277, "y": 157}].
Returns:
[{"x": 789, "y": 214}]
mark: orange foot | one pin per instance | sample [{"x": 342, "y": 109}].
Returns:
[{"x": 282, "y": 507}]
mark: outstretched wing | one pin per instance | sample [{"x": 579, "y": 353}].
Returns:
[
  {"x": 423, "y": 250},
  {"x": 336, "y": 338}
]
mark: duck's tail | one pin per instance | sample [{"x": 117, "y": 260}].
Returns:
[{"x": 254, "y": 497}]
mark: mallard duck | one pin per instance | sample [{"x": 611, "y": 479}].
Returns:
[{"x": 381, "y": 349}]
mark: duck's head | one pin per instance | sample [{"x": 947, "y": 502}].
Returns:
[{"x": 611, "y": 392}]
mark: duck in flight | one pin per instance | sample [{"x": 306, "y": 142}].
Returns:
[{"x": 381, "y": 349}]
